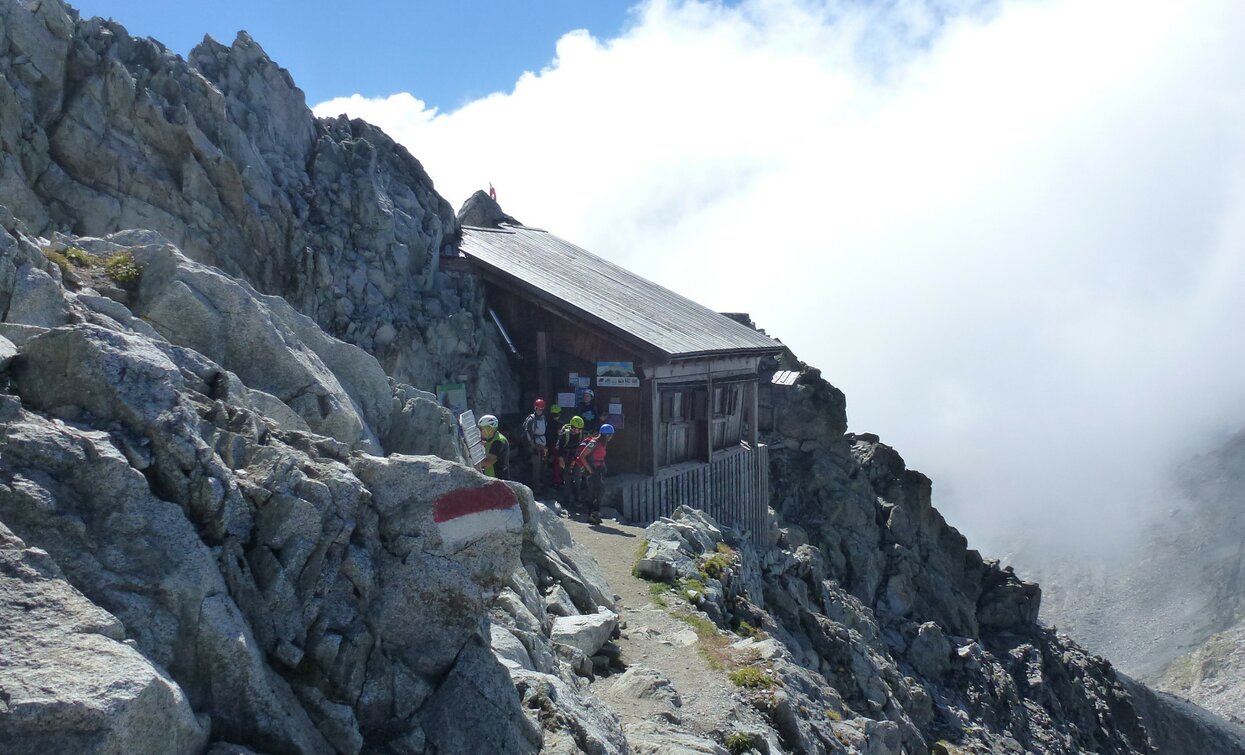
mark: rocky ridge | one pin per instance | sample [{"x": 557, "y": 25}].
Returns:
[
  {"x": 103, "y": 132},
  {"x": 805, "y": 644}
]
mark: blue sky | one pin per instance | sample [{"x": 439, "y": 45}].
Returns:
[{"x": 446, "y": 53}]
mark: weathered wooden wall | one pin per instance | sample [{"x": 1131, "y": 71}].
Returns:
[{"x": 733, "y": 489}]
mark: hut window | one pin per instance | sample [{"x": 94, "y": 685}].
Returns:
[
  {"x": 672, "y": 406},
  {"x": 726, "y": 401}
]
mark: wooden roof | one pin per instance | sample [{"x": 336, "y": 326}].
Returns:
[{"x": 536, "y": 263}]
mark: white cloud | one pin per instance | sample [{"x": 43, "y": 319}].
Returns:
[{"x": 1013, "y": 233}]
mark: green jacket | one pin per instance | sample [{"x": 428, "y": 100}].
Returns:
[{"x": 499, "y": 447}]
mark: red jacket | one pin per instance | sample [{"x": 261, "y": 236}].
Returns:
[{"x": 591, "y": 454}]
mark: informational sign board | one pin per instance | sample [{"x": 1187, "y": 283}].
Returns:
[
  {"x": 617, "y": 375},
  {"x": 566, "y": 401},
  {"x": 453, "y": 396},
  {"x": 469, "y": 432}
]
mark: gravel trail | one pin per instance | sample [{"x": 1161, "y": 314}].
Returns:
[{"x": 653, "y": 638}]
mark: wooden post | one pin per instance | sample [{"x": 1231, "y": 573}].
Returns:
[
  {"x": 754, "y": 411},
  {"x": 543, "y": 383},
  {"x": 709, "y": 413},
  {"x": 655, "y": 413}
]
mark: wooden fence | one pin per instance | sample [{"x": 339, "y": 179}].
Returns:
[{"x": 733, "y": 489}]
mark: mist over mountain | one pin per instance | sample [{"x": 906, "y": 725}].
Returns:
[{"x": 1166, "y": 603}]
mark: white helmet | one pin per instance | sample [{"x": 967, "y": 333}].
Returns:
[{"x": 488, "y": 420}]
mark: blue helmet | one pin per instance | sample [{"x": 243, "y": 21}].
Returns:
[{"x": 607, "y": 429}]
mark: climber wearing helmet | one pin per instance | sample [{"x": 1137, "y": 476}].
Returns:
[
  {"x": 496, "y": 461},
  {"x": 590, "y": 468},
  {"x": 587, "y": 408},
  {"x": 552, "y": 429},
  {"x": 536, "y": 444},
  {"x": 568, "y": 445}
]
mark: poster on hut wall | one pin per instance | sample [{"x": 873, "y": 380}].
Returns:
[
  {"x": 614, "y": 414},
  {"x": 617, "y": 375}
]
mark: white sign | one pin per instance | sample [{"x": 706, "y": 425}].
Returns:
[
  {"x": 618, "y": 382},
  {"x": 617, "y": 375},
  {"x": 470, "y": 434}
]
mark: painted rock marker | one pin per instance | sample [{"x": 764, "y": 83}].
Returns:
[{"x": 472, "y": 513}]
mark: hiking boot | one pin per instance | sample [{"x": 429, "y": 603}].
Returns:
[{"x": 594, "y": 518}]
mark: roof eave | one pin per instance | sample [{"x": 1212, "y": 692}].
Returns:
[
  {"x": 757, "y": 351},
  {"x": 498, "y": 275}
]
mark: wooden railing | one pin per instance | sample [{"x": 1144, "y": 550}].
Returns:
[{"x": 733, "y": 489}]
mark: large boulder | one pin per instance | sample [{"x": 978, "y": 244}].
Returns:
[
  {"x": 549, "y": 547},
  {"x": 339, "y": 389},
  {"x": 586, "y": 632},
  {"x": 7, "y": 352},
  {"x": 70, "y": 683},
  {"x": 482, "y": 211},
  {"x": 476, "y": 709}
]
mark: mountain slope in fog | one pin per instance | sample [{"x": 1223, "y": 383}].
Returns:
[{"x": 1169, "y": 608}]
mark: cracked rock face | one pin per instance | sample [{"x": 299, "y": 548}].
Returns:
[
  {"x": 219, "y": 154},
  {"x": 70, "y": 682},
  {"x": 286, "y": 590}
]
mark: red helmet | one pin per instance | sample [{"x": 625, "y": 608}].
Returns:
[{"x": 540, "y": 404}]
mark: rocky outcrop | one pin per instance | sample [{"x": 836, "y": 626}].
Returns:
[
  {"x": 482, "y": 211},
  {"x": 70, "y": 681},
  {"x": 873, "y": 519},
  {"x": 102, "y": 132},
  {"x": 238, "y": 573},
  {"x": 1181, "y": 728},
  {"x": 964, "y": 627},
  {"x": 889, "y": 686}
]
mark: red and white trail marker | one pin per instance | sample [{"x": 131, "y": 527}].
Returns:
[{"x": 473, "y": 513}]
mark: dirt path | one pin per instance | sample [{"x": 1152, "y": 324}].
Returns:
[{"x": 655, "y": 639}]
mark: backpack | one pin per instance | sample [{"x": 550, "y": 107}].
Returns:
[{"x": 588, "y": 464}]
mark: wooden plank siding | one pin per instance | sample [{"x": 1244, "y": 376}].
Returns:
[{"x": 733, "y": 489}]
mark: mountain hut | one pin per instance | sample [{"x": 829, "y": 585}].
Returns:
[{"x": 678, "y": 380}]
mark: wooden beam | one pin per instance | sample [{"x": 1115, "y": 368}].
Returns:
[
  {"x": 542, "y": 366},
  {"x": 754, "y": 411},
  {"x": 709, "y": 414},
  {"x": 655, "y": 427}
]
